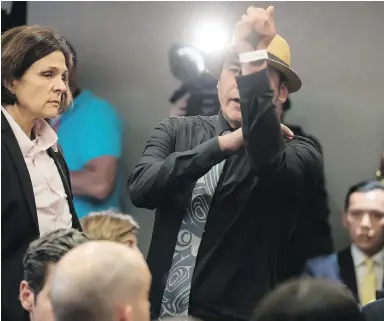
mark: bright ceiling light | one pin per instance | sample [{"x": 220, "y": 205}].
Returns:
[{"x": 210, "y": 37}]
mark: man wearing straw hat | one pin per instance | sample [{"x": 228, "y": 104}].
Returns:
[{"x": 227, "y": 189}]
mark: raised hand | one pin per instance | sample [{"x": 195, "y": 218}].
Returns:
[{"x": 255, "y": 30}]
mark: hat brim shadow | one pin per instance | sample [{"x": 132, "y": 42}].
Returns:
[{"x": 293, "y": 80}]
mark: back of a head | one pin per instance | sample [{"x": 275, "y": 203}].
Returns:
[
  {"x": 110, "y": 226},
  {"x": 94, "y": 279},
  {"x": 308, "y": 300}
]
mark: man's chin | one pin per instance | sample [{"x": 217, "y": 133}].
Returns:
[
  {"x": 367, "y": 247},
  {"x": 233, "y": 118},
  {"x": 236, "y": 124}
]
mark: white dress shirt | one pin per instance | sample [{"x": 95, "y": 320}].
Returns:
[
  {"x": 51, "y": 200},
  {"x": 359, "y": 257}
]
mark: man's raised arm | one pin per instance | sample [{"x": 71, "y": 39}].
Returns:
[{"x": 162, "y": 172}]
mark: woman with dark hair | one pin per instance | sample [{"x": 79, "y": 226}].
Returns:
[{"x": 36, "y": 193}]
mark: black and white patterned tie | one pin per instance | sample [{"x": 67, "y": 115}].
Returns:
[{"x": 175, "y": 301}]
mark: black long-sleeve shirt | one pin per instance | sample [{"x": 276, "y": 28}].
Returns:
[
  {"x": 313, "y": 234},
  {"x": 261, "y": 190}
]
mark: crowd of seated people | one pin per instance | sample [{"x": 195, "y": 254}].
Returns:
[
  {"x": 58, "y": 265},
  {"x": 69, "y": 276},
  {"x": 106, "y": 277}
]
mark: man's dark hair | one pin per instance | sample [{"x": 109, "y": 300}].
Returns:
[
  {"x": 308, "y": 300},
  {"x": 362, "y": 187},
  {"x": 21, "y": 47},
  {"x": 46, "y": 250}
]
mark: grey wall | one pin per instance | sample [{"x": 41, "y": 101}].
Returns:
[{"x": 337, "y": 49}]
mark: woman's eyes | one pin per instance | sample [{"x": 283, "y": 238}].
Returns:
[{"x": 49, "y": 74}]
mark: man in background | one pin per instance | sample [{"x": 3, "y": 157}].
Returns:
[
  {"x": 39, "y": 264},
  {"x": 361, "y": 265},
  {"x": 90, "y": 133},
  {"x": 197, "y": 98},
  {"x": 99, "y": 281}
]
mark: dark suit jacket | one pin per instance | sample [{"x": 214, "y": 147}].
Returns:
[
  {"x": 19, "y": 224},
  {"x": 338, "y": 267},
  {"x": 374, "y": 311}
]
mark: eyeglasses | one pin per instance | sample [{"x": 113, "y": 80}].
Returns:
[{"x": 375, "y": 216}]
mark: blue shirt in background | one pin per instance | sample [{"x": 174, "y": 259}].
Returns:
[{"x": 91, "y": 128}]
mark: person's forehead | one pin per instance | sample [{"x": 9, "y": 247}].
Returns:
[
  {"x": 54, "y": 60},
  {"x": 374, "y": 197}
]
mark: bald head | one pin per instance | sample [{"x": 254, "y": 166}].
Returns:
[{"x": 101, "y": 280}]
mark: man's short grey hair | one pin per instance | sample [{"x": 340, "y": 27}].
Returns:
[{"x": 46, "y": 250}]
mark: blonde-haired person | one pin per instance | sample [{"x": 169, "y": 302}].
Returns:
[{"x": 111, "y": 226}]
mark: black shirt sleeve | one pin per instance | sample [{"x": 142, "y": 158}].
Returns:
[
  {"x": 162, "y": 172},
  {"x": 265, "y": 146}
]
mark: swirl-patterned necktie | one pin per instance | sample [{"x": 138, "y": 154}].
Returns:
[{"x": 175, "y": 301}]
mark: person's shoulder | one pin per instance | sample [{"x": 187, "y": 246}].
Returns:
[
  {"x": 374, "y": 311},
  {"x": 322, "y": 266},
  {"x": 306, "y": 151},
  {"x": 90, "y": 102},
  {"x": 303, "y": 141},
  {"x": 323, "y": 259}
]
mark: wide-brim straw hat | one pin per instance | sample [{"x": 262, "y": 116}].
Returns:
[{"x": 279, "y": 58}]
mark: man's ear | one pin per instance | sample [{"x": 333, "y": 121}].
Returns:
[
  {"x": 344, "y": 219},
  {"x": 27, "y": 297},
  {"x": 283, "y": 93}
]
